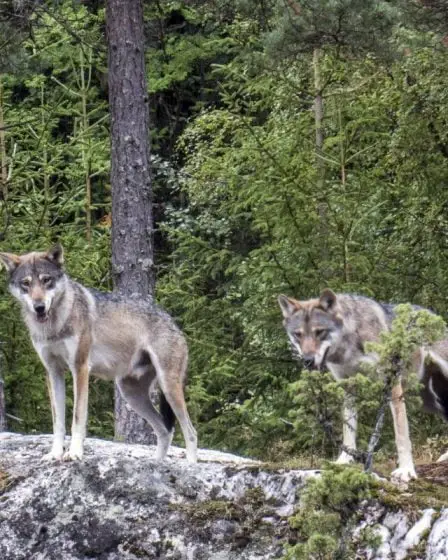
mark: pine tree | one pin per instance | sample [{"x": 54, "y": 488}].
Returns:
[{"x": 132, "y": 227}]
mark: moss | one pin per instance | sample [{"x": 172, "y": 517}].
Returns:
[
  {"x": 297, "y": 463},
  {"x": 209, "y": 510},
  {"x": 252, "y": 506},
  {"x": 5, "y": 481},
  {"x": 420, "y": 494}
]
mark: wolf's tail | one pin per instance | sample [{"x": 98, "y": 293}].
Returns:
[{"x": 167, "y": 413}]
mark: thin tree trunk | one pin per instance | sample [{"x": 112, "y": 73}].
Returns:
[
  {"x": 3, "y": 426},
  {"x": 3, "y": 163},
  {"x": 322, "y": 209},
  {"x": 318, "y": 110},
  {"x": 45, "y": 218},
  {"x": 132, "y": 226},
  {"x": 85, "y": 137}
]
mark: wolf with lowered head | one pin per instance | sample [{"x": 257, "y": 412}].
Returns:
[
  {"x": 331, "y": 331},
  {"x": 131, "y": 341}
]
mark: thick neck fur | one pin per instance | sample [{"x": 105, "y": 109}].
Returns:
[
  {"x": 58, "y": 315},
  {"x": 362, "y": 321}
]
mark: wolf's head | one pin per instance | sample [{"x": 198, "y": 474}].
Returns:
[
  {"x": 313, "y": 326},
  {"x": 36, "y": 280}
]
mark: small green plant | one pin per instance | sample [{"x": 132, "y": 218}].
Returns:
[{"x": 330, "y": 510}]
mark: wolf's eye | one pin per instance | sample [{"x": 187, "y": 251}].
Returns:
[
  {"x": 321, "y": 333},
  {"x": 298, "y": 335},
  {"x": 47, "y": 281},
  {"x": 25, "y": 284}
]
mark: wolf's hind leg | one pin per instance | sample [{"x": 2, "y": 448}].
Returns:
[
  {"x": 171, "y": 367},
  {"x": 171, "y": 377},
  {"x": 174, "y": 394},
  {"x": 135, "y": 391}
]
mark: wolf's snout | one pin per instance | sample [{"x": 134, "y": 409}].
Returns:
[
  {"x": 308, "y": 361},
  {"x": 39, "y": 307},
  {"x": 41, "y": 311}
]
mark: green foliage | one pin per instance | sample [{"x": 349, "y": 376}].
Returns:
[
  {"x": 353, "y": 25},
  {"x": 55, "y": 153},
  {"x": 241, "y": 212},
  {"x": 255, "y": 223},
  {"x": 318, "y": 397},
  {"x": 411, "y": 328},
  {"x": 330, "y": 510}
]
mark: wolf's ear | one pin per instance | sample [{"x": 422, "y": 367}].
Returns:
[
  {"x": 327, "y": 299},
  {"x": 9, "y": 261},
  {"x": 288, "y": 305},
  {"x": 56, "y": 255}
]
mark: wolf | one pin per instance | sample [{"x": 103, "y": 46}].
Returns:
[
  {"x": 331, "y": 331},
  {"x": 129, "y": 340}
]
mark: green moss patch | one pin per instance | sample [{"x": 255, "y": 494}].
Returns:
[{"x": 5, "y": 481}]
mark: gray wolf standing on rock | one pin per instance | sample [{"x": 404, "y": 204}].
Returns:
[
  {"x": 330, "y": 331},
  {"x": 113, "y": 337}
]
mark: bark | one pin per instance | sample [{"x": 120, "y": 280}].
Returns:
[
  {"x": 2, "y": 405},
  {"x": 3, "y": 163},
  {"x": 2, "y": 408},
  {"x": 322, "y": 209},
  {"x": 132, "y": 226}
]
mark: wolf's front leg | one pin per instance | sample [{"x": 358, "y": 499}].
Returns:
[
  {"x": 56, "y": 390},
  {"x": 80, "y": 406},
  {"x": 406, "y": 469},
  {"x": 349, "y": 428}
]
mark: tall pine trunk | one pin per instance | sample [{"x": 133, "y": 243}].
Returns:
[
  {"x": 2, "y": 407},
  {"x": 132, "y": 224},
  {"x": 322, "y": 210}
]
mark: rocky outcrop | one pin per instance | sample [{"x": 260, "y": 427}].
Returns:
[{"x": 119, "y": 503}]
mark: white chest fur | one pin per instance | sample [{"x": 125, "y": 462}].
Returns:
[{"x": 63, "y": 350}]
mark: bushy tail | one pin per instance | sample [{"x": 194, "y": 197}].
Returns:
[{"x": 167, "y": 413}]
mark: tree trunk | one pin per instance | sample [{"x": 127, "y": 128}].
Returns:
[
  {"x": 132, "y": 226},
  {"x": 3, "y": 163},
  {"x": 322, "y": 210},
  {"x": 3, "y": 426}
]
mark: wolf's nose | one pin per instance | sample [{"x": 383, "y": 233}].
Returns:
[
  {"x": 39, "y": 307},
  {"x": 308, "y": 362}
]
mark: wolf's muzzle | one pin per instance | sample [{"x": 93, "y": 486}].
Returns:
[
  {"x": 40, "y": 310},
  {"x": 308, "y": 362}
]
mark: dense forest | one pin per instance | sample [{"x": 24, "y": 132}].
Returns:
[{"x": 295, "y": 145}]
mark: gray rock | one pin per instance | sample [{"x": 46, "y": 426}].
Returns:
[{"x": 119, "y": 503}]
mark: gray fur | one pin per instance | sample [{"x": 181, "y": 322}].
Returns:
[
  {"x": 331, "y": 331},
  {"x": 131, "y": 341}
]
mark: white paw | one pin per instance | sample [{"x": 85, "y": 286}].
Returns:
[
  {"x": 163, "y": 444},
  {"x": 53, "y": 455},
  {"x": 75, "y": 452},
  {"x": 160, "y": 454},
  {"x": 72, "y": 456},
  {"x": 344, "y": 458},
  {"x": 403, "y": 474},
  {"x": 443, "y": 457},
  {"x": 192, "y": 456}
]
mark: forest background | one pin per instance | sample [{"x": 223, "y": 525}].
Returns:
[{"x": 295, "y": 145}]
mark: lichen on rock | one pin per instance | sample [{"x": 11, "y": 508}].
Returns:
[{"x": 119, "y": 503}]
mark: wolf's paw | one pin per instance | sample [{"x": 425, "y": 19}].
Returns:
[
  {"x": 443, "y": 457},
  {"x": 402, "y": 475},
  {"x": 72, "y": 455},
  {"x": 75, "y": 452},
  {"x": 192, "y": 456},
  {"x": 53, "y": 455},
  {"x": 344, "y": 459}
]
